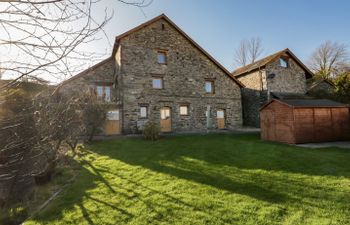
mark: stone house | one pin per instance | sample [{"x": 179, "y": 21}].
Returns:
[
  {"x": 158, "y": 73},
  {"x": 276, "y": 76},
  {"x": 320, "y": 86}
]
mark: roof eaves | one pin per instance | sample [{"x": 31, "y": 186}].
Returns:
[{"x": 85, "y": 71}]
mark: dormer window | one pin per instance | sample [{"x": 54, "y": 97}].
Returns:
[
  {"x": 284, "y": 62},
  {"x": 161, "y": 57}
]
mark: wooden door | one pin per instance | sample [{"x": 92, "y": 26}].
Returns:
[
  {"x": 271, "y": 120},
  {"x": 165, "y": 119},
  {"x": 112, "y": 124},
  {"x": 220, "y": 115}
]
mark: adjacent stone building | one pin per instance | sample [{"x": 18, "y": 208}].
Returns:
[
  {"x": 158, "y": 73},
  {"x": 279, "y": 74},
  {"x": 320, "y": 87}
]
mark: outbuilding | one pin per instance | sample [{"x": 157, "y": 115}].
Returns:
[{"x": 304, "y": 120}]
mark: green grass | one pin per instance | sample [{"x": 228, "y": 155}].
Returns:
[{"x": 212, "y": 179}]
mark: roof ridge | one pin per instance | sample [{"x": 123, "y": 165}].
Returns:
[
  {"x": 195, "y": 44},
  {"x": 262, "y": 59},
  {"x": 262, "y": 62}
]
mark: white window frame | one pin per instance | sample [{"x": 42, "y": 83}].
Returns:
[
  {"x": 186, "y": 110},
  {"x": 211, "y": 86},
  {"x": 165, "y": 113},
  {"x": 103, "y": 92},
  {"x": 220, "y": 114},
  {"x": 143, "y": 111},
  {"x": 113, "y": 115}
]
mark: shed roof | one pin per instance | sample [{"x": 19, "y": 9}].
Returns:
[
  {"x": 286, "y": 95},
  {"x": 309, "y": 103}
]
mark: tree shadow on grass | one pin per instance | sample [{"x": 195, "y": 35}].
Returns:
[
  {"x": 226, "y": 162},
  {"x": 244, "y": 152},
  {"x": 75, "y": 195},
  {"x": 150, "y": 159}
]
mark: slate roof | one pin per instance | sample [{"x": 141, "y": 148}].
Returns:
[
  {"x": 315, "y": 83},
  {"x": 264, "y": 61}
]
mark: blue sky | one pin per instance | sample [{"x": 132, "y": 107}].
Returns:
[{"x": 218, "y": 26}]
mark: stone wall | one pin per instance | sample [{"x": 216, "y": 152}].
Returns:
[
  {"x": 260, "y": 83},
  {"x": 183, "y": 78},
  {"x": 87, "y": 81},
  {"x": 254, "y": 80},
  {"x": 286, "y": 80},
  {"x": 252, "y": 101}
]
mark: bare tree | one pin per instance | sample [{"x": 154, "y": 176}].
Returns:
[
  {"x": 43, "y": 36},
  {"x": 40, "y": 38},
  {"x": 329, "y": 59},
  {"x": 248, "y": 51}
]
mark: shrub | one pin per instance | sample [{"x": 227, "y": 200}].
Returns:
[
  {"x": 151, "y": 131},
  {"x": 13, "y": 215}
]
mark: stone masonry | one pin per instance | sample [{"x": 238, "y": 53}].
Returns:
[
  {"x": 183, "y": 76},
  {"x": 270, "y": 78},
  {"x": 134, "y": 64}
]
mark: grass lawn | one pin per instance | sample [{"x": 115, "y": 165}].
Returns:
[{"x": 212, "y": 179}]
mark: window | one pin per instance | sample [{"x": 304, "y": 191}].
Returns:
[
  {"x": 113, "y": 115},
  {"x": 184, "y": 110},
  {"x": 161, "y": 57},
  {"x": 99, "y": 91},
  {"x": 165, "y": 113},
  {"x": 220, "y": 114},
  {"x": 104, "y": 93},
  {"x": 283, "y": 62},
  {"x": 143, "y": 111},
  {"x": 107, "y": 94},
  {"x": 157, "y": 83},
  {"x": 209, "y": 86}
]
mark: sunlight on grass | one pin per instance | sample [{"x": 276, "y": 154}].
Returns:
[{"x": 214, "y": 179}]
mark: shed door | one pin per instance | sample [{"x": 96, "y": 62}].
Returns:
[
  {"x": 165, "y": 119},
  {"x": 268, "y": 125},
  {"x": 112, "y": 124},
  {"x": 220, "y": 115}
]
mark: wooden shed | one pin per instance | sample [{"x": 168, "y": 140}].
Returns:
[{"x": 304, "y": 120}]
